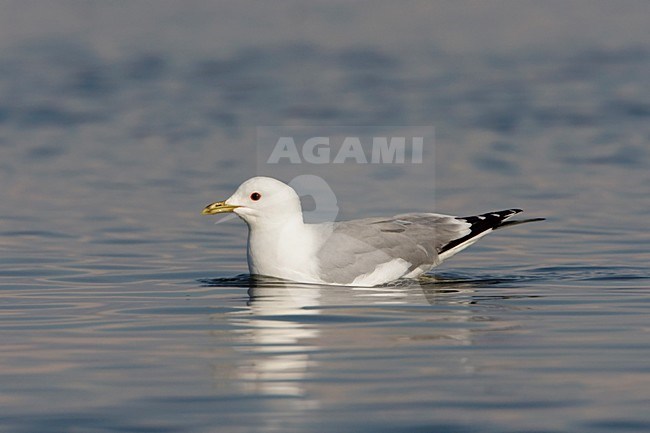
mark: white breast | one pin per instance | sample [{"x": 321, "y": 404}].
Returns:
[{"x": 287, "y": 251}]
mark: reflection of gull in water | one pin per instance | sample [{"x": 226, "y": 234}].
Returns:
[
  {"x": 278, "y": 332},
  {"x": 300, "y": 357},
  {"x": 362, "y": 252},
  {"x": 288, "y": 325}
]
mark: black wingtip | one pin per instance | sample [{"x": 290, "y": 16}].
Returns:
[
  {"x": 517, "y": 222},
  {"x": 479, "y": 224},
  {"x": 490, "y": 219},
  {"x": 487, "y": 221}
]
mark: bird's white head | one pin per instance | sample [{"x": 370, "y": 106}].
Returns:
[{"x": 261, "y": 200}]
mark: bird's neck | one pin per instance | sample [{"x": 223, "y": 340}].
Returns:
[
  {"x": 284, "y": 249},
  {"x": 273, "y": 225}
]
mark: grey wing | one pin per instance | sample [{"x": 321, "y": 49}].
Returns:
[{"x": 359, "y": 246}]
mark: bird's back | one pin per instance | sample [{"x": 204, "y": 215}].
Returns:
[{"x": 404, "y": 244}]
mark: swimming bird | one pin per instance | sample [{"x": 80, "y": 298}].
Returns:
[{"x": 361, "y": 252}]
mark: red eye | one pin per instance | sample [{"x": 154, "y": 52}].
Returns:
[{"x": 256, "y": 196}]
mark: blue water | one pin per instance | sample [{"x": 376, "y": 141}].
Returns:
[{"x": 122, "y": 308}]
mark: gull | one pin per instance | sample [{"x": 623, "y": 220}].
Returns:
[{"x": 362, "y": 252}]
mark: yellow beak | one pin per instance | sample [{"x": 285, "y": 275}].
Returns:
[{"x": 218, "y": 207}]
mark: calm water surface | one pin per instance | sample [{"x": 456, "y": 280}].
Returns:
[{"x": 123, "y": 309}]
